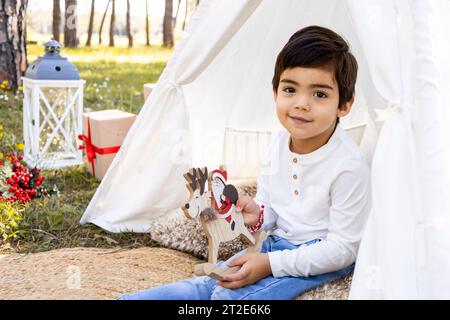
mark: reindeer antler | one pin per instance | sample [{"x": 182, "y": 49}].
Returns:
[
  {"x": 196, "y": 179},
  {"x": 191, "y": 178},
  {"x": 202, "y": 179}
]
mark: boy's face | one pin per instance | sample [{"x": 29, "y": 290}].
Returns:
[{"x": 307, "y": 102}]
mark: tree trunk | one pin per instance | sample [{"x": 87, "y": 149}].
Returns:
[
  {"x": 147, "y": 25},
  {"x": 176, "y": 15},
  {"x": 13, "y": 52},
  {"x": 185, "y": 15},
  {"x": 168, "y": 25},
  {"x": 112, "y": 24},
  {"x": 91, "y": 24},
  {"x": 70, "y": 24},
  {"x": 101, "y": 24},
  {"x": 130, "y": 36},
  {"x": 56, "y": 25}
]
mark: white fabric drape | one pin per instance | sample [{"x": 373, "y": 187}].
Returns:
[
  {"x": 402, "y": 255},
  {"x": 433, "y": 133},
  {"x": 146, "y": 177}
]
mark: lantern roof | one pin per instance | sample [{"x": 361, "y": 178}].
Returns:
[
  {"x": 51, "y": 66},
  {"x": 52, "y": 43}
]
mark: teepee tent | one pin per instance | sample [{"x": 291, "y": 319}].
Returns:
[{"x": 216, "y": 93}]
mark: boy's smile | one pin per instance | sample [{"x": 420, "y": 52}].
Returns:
[{"x": 307, "y": 103}]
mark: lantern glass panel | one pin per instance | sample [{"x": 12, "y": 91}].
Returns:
[{"x": 58, "y": 127}]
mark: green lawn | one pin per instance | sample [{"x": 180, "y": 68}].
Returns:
[
  {"x": 114, "y": 79},
  {"x": 114, "y": 76}
]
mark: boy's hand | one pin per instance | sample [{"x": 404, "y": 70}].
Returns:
[
  {"x": 255, "y": 266},
  {"x": 250, "y": 210}
]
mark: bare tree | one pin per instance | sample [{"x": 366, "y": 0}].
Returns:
[
  {"x": 13, "y": 52},
  {"x": 147, "y": 25},
  {"x": 112, "y": 24},
  {"x": 130, "y": 36},
  {"x": 91, "y": 24},
  {"x": 176, "y": 15},
  {"x": 101, "y": 24},
  {"x": 56, "y": 25},
  {"x": 168, "y": 25},
  {"x": 70, "y": 24},
  {"x": 185, "y": 15}
]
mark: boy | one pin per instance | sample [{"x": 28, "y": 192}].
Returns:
[{"x": 316, "y": 197}]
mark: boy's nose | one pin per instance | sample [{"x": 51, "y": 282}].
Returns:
[
  {"x": 302, "y": 103},
  {"x": 302, "y": 106}
]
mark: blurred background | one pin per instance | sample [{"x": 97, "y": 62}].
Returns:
[{"x": 46, "y": 18}]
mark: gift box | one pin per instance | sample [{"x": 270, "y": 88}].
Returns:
[
  {"x": 148, "y": 88},
  {"x": 103, "y": 134}
]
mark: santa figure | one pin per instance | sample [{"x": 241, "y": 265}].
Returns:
[{"x": 225, "y": 196}]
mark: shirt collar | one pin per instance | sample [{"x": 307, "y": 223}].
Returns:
[{"x": 319, "y": 154}]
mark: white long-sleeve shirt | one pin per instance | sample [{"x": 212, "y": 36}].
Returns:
[{"x": 323, "y": 194}]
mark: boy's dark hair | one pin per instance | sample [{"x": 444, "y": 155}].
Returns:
[{"x": 316, "y": 47}]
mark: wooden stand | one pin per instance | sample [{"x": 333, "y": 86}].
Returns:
[
  {"x": 215, "y": 210},
  {"x": 215, "y": 272}
]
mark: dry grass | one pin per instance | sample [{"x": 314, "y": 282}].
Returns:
[{"x": 89, "y": 273}]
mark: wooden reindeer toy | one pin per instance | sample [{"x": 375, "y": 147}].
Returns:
[{"x": 215, "y": 210}]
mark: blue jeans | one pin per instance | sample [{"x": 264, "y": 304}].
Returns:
[{"x": 269, "y": 288}]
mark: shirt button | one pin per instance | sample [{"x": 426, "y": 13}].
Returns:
[
  {"x": 295, "y": 177},
  {"x": 296, "y": 192},
  {"x": 295, "y": 160}
]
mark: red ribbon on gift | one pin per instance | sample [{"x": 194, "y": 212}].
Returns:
[{"x": 91, "y": 150}]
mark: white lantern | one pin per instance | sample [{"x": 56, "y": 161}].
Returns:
[{"x": 52, "y": 108}]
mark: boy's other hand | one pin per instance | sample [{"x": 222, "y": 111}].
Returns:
[
  {"x": 249, "y": 209},
  {"x": 255, "y": 266}
]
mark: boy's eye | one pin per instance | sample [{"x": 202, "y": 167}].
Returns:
[
  {"x": 320, "y": 95},
  {"x": 289, "y": 90}
]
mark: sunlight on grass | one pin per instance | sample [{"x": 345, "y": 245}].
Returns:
[
  {"x": 137, "y": 54},
  {"x": 114, "y": 75}
]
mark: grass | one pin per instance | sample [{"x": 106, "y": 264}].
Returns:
[
  {"x": 139, "y": 54},
  {"x": 114, "y": 79},
  {"x": 114, "y": 76}
]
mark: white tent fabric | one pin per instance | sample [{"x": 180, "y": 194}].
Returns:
[
  {"x": 219, "y": 79},
  {"x": 404, "y": 253}
]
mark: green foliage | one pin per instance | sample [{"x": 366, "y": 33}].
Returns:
[{"x": 10, "y": 218}]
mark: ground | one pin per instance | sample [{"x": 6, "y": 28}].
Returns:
[
  {"x": 90, "y": 273},
  {"x": 94, "y": 273}
]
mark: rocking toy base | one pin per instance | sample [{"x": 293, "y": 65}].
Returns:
[
  {"x": 212, "y": 271},
  {"x": 217, "y": 273}
]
